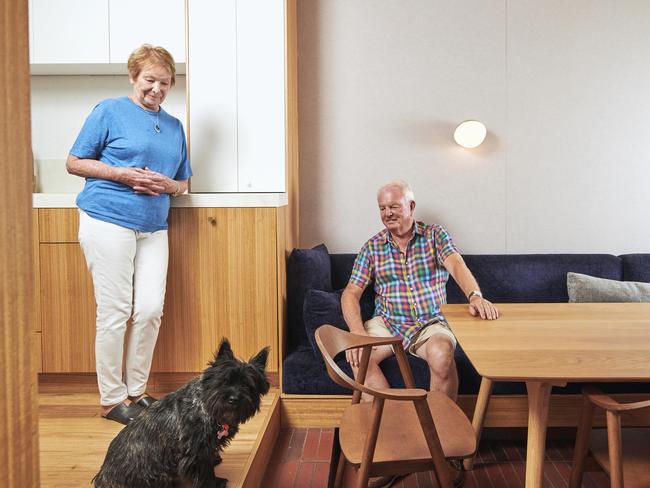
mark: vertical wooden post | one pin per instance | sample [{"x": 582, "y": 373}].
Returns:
[
  {"x": 19, "y": 465},
  {"x": 291, "y": 114}
]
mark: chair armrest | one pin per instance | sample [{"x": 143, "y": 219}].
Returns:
[
  {"x": 365, "y": 340},
  {"x": 399, "y": 394},
  {"x": 606, "y": 402}
]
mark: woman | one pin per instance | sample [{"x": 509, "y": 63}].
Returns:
[{"x": 134, "y": 158}]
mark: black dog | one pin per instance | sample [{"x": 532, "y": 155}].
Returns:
[{"x": 177, "y": 441}]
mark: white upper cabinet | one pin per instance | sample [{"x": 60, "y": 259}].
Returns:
[
  {"x": 237, "y": 98},
  {"x": 90, "y": 36},
  {"x": 135, "y": 22},
  {"x": 70, "y": 31},
  {"x": 212, "y": 90},
  {"x": 261, "y": 130}
]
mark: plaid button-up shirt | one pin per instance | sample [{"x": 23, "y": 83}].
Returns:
[{"x": 409, "y": 288}]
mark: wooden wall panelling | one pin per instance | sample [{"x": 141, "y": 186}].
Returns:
[
  {"x": 58, "y": 224},
  {"x": 68, "y": 309},
  {"x": 221, "y": 283},
  {"x": 19, "y": 454},
  {"x": 288, "y": 227},
  {"x": 282, "y": 285}
]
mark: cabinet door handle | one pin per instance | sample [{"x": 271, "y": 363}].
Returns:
[{"x": 212, "y": 220}]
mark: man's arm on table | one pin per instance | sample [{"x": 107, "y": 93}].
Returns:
[{"x": 467, "y": 283}]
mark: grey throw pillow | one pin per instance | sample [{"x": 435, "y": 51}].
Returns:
[{"x": 585, "y": 288}]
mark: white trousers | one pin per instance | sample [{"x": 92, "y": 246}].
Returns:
[{"x": 129, "y": 272}]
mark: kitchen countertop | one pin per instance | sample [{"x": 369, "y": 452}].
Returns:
[{"x": 208, "y": 200}]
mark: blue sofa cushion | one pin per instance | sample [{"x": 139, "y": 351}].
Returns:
[
  {"x": 636, "y": 267},
  {"x": 323, "y": 307},
  {"x": 306, "y": 269}
]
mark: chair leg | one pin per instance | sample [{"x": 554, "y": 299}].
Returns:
[
  {"x": 582, "y": 444},
  {"x": 371, "y": 441},
  {"x": 615, "y": 449},
  {"x": 340, "y": 471},
  {"x": 442, "y": 469},
  {"x": 482, "y": 402},
  {"x": 335, "y": 460}
]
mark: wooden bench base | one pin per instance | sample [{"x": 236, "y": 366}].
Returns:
[{"x": 504, "y": 411}]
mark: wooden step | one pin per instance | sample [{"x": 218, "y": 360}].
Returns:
[{"x": 74, "y": 439}]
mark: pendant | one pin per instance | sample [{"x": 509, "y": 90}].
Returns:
[{"x": 156, "y": 128}]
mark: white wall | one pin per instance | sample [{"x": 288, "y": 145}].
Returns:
[
  {"x": 60, "y": 105},
  {"x": 562, "y": 87}
]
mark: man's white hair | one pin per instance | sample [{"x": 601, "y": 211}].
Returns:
[{"x": 404, "y": 187}]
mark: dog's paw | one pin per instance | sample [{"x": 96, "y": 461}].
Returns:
[{"x": 220, "y": 482}]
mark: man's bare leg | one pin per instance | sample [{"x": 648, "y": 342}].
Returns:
[
  {"x": 375, "y": 377},
  {"x": 438, "y": 352}
]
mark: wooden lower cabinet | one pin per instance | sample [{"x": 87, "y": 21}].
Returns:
[
  {"x": 67, "y": 309},
  {"x": 222, "y": 281}
]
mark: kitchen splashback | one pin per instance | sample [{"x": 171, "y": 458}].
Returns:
[{"x": 51, "y": 177}]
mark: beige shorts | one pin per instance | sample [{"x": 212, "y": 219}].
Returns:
[{"x": 376, "y": 327}]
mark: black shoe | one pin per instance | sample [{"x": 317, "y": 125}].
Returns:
[
  {"x": 123, "y": 413},
  {"x": 147, "y": 401}
]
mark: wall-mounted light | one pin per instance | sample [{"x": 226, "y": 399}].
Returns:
[{"x": 470, "y": 134}]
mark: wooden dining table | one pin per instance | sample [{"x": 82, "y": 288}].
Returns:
[{"x": 550, "y": 344}]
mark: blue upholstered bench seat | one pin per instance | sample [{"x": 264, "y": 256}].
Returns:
[{"x": 315, "y": 279}]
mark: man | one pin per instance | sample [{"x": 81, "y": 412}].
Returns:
[{"x": 410, "y": 263}]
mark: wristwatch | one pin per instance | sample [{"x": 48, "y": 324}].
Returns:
[{"x": 474, "y": 293}]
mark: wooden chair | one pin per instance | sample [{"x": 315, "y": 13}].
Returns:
[
  {"x": 402, "y": 430},
  {"x": 622, "y": 453}
]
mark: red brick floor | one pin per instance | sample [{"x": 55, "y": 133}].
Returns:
[{"x": 301, "y": 460}]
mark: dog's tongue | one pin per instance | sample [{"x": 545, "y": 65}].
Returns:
[{"x": 223, "y": 432}]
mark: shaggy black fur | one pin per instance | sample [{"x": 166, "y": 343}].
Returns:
[{"x": 174, "y": 442}]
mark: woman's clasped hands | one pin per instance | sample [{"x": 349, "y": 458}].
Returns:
[{"x": 147, "y": 181}]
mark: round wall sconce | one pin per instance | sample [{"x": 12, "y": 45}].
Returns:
[{"x": 470, "y": 134}]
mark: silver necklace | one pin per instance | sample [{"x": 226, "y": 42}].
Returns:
[{"x": 157, "y": 126}]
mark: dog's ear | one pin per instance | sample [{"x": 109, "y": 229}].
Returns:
[
  {"x": 259, "y": 360},
  {"x": 225, "y": 351}
]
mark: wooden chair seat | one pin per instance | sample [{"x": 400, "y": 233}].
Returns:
[
  {"x": 636, "y": 455},
  {"x": 401, "y": 427}
]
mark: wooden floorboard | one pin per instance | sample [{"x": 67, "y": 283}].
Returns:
[{"x": 74, "y": 438}]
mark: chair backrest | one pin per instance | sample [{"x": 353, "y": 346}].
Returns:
[
  {"x": 633, "y": 468},
  {"x": 332, "y": 341}
]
